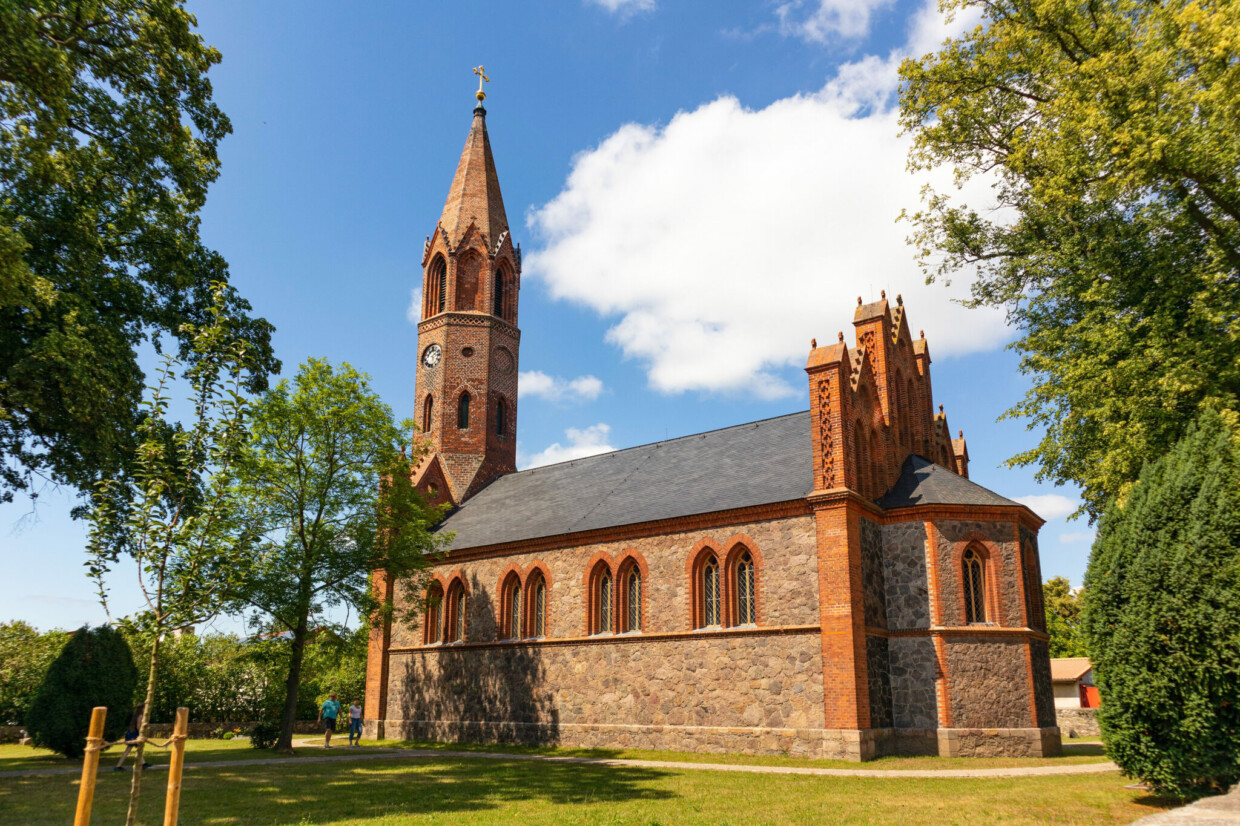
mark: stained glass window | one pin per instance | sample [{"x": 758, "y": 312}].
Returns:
[
  {"x": 633, "y": 618},
  {"x": 710, "y": 592},
  {"x": 745, "y": 613},
  {"x": 974, "y": 588}
]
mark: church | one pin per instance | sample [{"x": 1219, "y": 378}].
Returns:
[{"x": 827, "y": 584}]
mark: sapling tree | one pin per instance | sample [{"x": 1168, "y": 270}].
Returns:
[
  {"x": 327, "y": 481},
  {"x": 175, "y": 514}
]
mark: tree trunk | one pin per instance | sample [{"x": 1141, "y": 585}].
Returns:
[
  {"x": 293, "y": 683},
  {"x": 135, "y": 786}
]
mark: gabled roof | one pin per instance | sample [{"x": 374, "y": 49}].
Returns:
[
  {"x": 1069, "y": 669},
  {"x": 474, "y": 196},
  {"x": 923, "y": 482},
  {"x": 751, "y": 464},
  {"x": 759, "y": 463}
]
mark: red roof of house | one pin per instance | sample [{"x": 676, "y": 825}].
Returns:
[{"x": 1069, "y": 669}]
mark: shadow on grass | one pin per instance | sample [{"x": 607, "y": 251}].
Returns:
[
  {"x": 323, "y": 793},
  {"x": 1086, "y": 749}
]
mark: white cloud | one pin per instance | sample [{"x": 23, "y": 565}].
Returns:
[
  {"x": 1072, "y": 538},
  {"x": 414, "y": 311},
  {"x": 625, "y": 7},
  {"x": 588, "y": 441},
  {"x": 723, "y": 241},
  {"x": 819, "y": 21},
  {"x": 537, "y": 384},
  {"x": 1049, "y": 505}
]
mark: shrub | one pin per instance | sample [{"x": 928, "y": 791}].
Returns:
[
  {"x": 1162, "y": 617},
  {"x": 264, "y": 735},
  {"x": 25, "y": 656},
  {"x": 228, "y": 735},
  {"x": 94, "y": 668}
]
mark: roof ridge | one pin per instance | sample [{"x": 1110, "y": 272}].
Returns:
[{"x": 660, "y": 442}]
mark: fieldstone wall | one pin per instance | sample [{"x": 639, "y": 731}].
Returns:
[
  {"x": 787, "y": 580},
  {"x": 989, "y": 682},
  {"x": 914, "y": 703},
  {"x": 749, "y": 691},
  {"x": 1078, "y": 722},
  {"x": 873, "y": 586},
  {"x": 1043, "y": 690},
  {"x": 904, "y": 576},
  {"x": 878, "y": 671}
]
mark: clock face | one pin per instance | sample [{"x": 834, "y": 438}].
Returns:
[{"x": 431, "y": 355}]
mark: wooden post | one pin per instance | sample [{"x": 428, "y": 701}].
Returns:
[
  {"x": 172, "y": 804},
  {"x": 90, "y": 766}
]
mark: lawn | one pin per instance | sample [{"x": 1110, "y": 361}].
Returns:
[
  {"x": 387, "y": 792},
  {"x": 21, "y": 758}
]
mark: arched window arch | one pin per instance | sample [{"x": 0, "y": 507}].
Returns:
[
  {"x": 973, "y": 582},
  {"x": 462, "y": 411},
  {"x": 428, "y": 413},
  {"x": 454, "y": 616},
  {"x": 436, "y": 286},
  {"x": 468, "y": 274},
  {"x": 510, "y": 607},
  {"x": 746, "y": 607},
  {"x": 709, "y": 593},
  {"x": 501, "y": 417},
  {"x": 536, "y": 605},
  {"x": 432, "y": 630},
  {"x": 629, "y": 589},
  {"x": 602, "y": 600}
]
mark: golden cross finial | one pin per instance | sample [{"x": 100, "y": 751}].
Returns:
[{"x": 481, "y": 73}]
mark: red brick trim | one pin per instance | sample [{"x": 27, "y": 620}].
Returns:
[
  {"x": 596, "y": 566},
  {"x": 694, "y": 562},
  {"x": 738, "y": 544},
  {"x": 629, "y": 559},
  {"x": 611, "y": 639}
]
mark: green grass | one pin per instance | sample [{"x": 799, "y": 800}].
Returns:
[
  {"x": 22, "y": 758},
  {"x": 399, "y": 791},
  {"x": 1091, "y": 753}
]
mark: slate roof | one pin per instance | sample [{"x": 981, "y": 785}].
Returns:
[
  {"x": 758, "y": 463},
  {"x": 751, "y": 464},
  {"x": 922, "y": 482}
]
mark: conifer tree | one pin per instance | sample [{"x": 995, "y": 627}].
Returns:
[
  {"x": 1162, "y": 617},
  {"x": 94, "y": 668}
]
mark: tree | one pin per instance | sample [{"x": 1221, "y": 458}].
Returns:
[
  {"x": 1110, "y": 132},
  {"x": 93, "y": 669},
  {"x": 1063, "y": 618},
  {"x": 176, "y": 512},
  {"x": 108, "y": 137},
  {"x": 328, "y": 484},
  {"x": 1162, "y": 617},
  {"x": 25, "y": 656}
]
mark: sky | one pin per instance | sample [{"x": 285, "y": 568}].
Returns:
[{"x": 698, "y": 189}]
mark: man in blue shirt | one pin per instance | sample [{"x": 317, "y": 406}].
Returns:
[{"x": 327, "y": 716}]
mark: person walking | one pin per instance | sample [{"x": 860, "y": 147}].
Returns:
[
  {"x": 355, "y": 723},
  {"x": 327, "y": 716},
  {"x": 133, "y": 735}
]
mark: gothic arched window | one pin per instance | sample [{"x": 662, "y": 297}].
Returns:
[
  {"x": 602, "y": 600},
  {"x": 428, "y": 414},
  {"x": 710, "y": 613},
  {"x": 437, "y": 286},
  {"x": 510, "y": 626},
  {"x": 746, "y": 602},
  {"x": 974, "y": 582},
  {"x": 536, "y": 605},
  {"x": 462, "y": 412},
  {"x": 454, "y": 625},
  {"x": 432, "y": 631},
  {"x": 501, "y": 417},
  {"x": 632, "y": 584}
]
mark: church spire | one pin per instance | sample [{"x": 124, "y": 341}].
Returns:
[{"x": 474, "y": 196}]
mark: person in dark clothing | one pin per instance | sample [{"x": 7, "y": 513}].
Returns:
[{"x": 133, "y": 736}]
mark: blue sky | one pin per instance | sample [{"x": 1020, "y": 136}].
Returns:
[{"x": 698, "y": 189}]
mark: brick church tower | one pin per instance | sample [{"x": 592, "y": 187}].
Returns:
[{"x": 466, "y": 386}]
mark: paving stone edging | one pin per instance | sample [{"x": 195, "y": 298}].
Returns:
[{"x": 1220, "y": 810}]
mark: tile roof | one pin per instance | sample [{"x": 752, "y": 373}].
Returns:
[
  {"x": 758, "y": 463},
  {"x": 1069, "y": 669}
]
